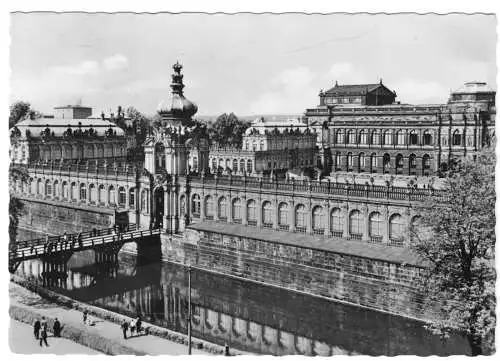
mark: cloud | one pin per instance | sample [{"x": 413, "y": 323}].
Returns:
[
  {"x": 420, "y": 91},
  {"x": 86, "y": 67},
  {"x": 294, "y": 91},
  {"x": 115, "y": 62},
  {"x": 346, "y": 73},
  {"x": 91, "y": 67}
]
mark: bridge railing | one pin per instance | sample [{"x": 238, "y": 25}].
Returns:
[
  {"x": 71, "y": 236},
  {"x": 29, "y": 251}
]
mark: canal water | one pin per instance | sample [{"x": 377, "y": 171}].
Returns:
[{"x": 247, "y": 316}]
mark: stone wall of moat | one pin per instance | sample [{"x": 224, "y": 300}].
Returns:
[
  {"x": 54, "y": 218},
  {"x": 375, "y": 284}
]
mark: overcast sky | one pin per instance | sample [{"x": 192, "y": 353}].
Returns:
[{"x": 247, "y": 64}]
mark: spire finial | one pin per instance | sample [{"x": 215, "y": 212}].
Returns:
[
  {"x": 336, "y": 83},
  {"x": 380, "y": 81}
]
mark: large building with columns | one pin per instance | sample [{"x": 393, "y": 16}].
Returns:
[{"x": 402, "y": 139}]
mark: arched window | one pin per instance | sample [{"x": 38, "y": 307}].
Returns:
[
  {"x": 399, "y": 164},
  {"x": 375, "y": 138},
  {"x": 237, "y": 212},
  {"x": 228, "y": 164},
  {"x": 361, "y": 162},
  {"x": 102, "y": 195},
  {"x": 413, "y": 138},
  {"x": 261, "y": 145},
  {"x": 182, "y": 206},
  {"x": 318, "y": 220},
  {"x": 131, "y": 198},
  {"x": 351, "y": 137},
  {"x": 222, "y": 206},
  {"x": 235, "y": 165},
  {"x": 386, "y": 163},
  {"x": 39, "y": 187},
  {"x": 457, "y": 138},
  {"x": 339, "y": 137},
  {"x": 214, "y": 164},
  {"x": 267, "y": 220},
  {"x": 221, "y": 163},
  {"x": 209, "y": 208},
  {"x": 251, "y": 213},
  {"x": 412, "y": 164},
  {"x": 400, "y": 138},
  {"x": 249, "y": 166},
  {"x": 283, "y": 216},
  {"x": 427, "y": 138},
  {"x": 111, "y": 195},
  {"x": 349, "y": 161},
  {"x": 74, "y": 191},
  {"x": 396, "y": 229},
  {"x": 300, "y": 218},
  {"x": 93, "y": 194},
  {"x": 336, "y": 222},
  {"x": 48, "y": 188},
  {"x": 242, "y": 165},
  {"x": 363, "y": 137},
  {"x": 56, "y": 189},
  {"x": 338, "y": 161},
  {"x": 426, "y": 164},
  {"x": 356, "y": 224},
  {"x": 122, "y": 196},
  {"x": 373, "y": 162},
  {"x": 196, "y": 206},
  {"x": 388, "y": 137},
  {"x": 83, "y": 192},
  {"x": 65, "y": 190},
  {"x": 195, "y": 164},
  {"x": 144, "y": 201},
  {"x": 376, "y": 224}
]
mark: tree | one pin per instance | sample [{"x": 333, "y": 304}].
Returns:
[
  {"x": 18, "y": 111},
  {"x": 457, "y": 239},
  {"x": 16, "y": 207},
  {"x": 228, "y": 130}
]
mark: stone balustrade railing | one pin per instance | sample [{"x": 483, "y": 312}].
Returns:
[{"x": 324, "y": 187}]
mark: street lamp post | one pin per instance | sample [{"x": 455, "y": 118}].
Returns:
[{"x": 189, "y": 310}]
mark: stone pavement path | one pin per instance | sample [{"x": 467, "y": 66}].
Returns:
[
  {"x": 22, "y": 341},
  {"x": 148, "y": 344}
]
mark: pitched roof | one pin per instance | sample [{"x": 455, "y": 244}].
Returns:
[{"x": 354, "y": 89}]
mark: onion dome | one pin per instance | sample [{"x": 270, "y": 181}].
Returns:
[{"x": 178, "y": 106}]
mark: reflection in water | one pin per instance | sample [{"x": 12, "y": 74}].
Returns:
[{"x": 247, "y": 316}]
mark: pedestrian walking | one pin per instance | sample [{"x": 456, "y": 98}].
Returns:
[
  {"x": 57, "y": 328},
  {"x": 36, "y": 328},
  {"x": 85, "y": 314},
  {"x": 43, "y": 337},
  {"x": 43, "y": 324},
  {"x": 124, "y": 328},
  {"x": 226, "y": 350},
  {"x": 132, "y": 327},
  {"x": 138, "y": 324}
]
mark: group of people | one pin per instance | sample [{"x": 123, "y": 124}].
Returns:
[
  {"x": 68, "y": 242},
  {"x": 135, "y": 326},
  {"x": 40, "y": 330}
]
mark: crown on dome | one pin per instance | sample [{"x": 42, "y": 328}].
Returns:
[{"x": 177, "y": 106}]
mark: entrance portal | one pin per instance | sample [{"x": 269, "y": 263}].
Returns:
[{"x": 159, "y": 202}]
